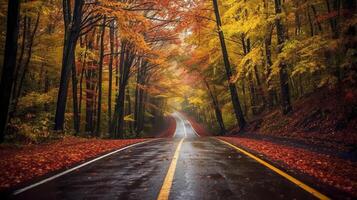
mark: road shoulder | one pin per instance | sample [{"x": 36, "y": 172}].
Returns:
[
  {"x": 325, "y": 173},
  {"x": 30, "y": 164}
]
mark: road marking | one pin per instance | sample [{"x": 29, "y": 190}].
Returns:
[
  {"x": 166, "y": 186},
  {"x": 16, "y": 192},
  {"x": 280, "y": 172},
  {"x": 176, "y": 124},
  {"x": 183, "y": 124},
  {"x": 194, "y": 131},
  {"x": 184, "y": 127}
]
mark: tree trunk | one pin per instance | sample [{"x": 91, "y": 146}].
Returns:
[
  {"x": 83, "y": 70},
  {"x": 117, "y": 63},
  {"x": 283, "y": 74},
  {"x": 268, "y": 60},
  {"x": 110, "y": 87},
  {"x": 217, "y": 109},
  {"x": 7, "y": 76},
  {"x": 90, "y": 75},
  {"x": 22, "y": 52},
  {"x": 118, "y": 117},
  {"x": 137, "y": 96},
  {"x": 233, "y": 90},
  {"x": 75, "y": 97},
  {"x": 129, "y": 109},
  {"x": 89, "y": 100},
  {"x": 17, "y": 88},
  {"x": 100, "y": 76},
  {"x": 319, "y": 26},
  {"x": 71, "y": 37},
  {"x": 310, "y": 23}
]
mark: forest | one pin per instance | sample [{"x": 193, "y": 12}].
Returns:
[
  {"x": 276, "y": 77},
  {"x": 114, "y": 69}
]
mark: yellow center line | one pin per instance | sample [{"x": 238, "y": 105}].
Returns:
[
  {"x": 280, "y": 172},
  {"x": 166, "y": 186}
]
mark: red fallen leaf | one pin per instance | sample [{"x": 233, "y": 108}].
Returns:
[{"x": 22, "y": 164}]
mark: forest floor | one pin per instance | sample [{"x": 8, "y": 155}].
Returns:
[{"x": 25, "y": 163}]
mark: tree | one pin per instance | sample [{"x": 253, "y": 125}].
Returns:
[
  {"x": 72, "y": 29},
  {"x": 110, "y": 68},
  {"x": 7, "y": 76},
  {"x": 100, "y": 75},
  {"x": 232, "y": 88},
  {"x": 283, "y": 74}
]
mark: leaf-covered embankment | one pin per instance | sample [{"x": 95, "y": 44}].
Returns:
[
  {"x": 324, "y": 118},
  {"x": 22, "y": 164},
  {"x": 169, "y": 127}
]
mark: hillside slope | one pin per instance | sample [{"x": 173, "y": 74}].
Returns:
[{"x": 325, "y": 118}]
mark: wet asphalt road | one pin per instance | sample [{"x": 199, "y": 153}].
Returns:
[{"x": 206, "y": 169}]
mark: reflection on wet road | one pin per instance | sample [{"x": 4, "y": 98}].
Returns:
[{"x": 205, "y": 168}]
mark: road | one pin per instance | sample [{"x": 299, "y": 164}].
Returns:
[{"x": 183, "y": 167}]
